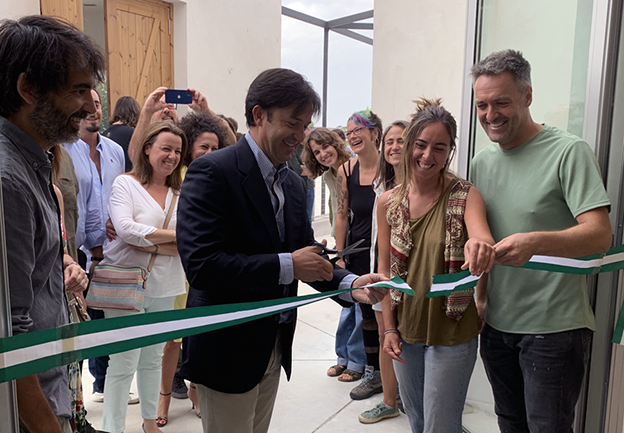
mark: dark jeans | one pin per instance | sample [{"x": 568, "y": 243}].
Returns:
[
  {"x": 98, "y": 366},
  {"x": 536, "y": 379},
  {"x": 370, "y": 335}
]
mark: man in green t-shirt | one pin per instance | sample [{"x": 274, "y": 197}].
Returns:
[{"x": 544, "y": 195}]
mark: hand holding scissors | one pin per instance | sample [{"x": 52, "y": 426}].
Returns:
[{"x": 340, "y": 254}]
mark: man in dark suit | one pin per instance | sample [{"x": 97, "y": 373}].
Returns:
[{"x": 244, "y": 236}]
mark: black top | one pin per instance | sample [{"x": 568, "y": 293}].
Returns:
[
  {"x": 361, "y": 202},
  {"x": 121, "y": 134}
]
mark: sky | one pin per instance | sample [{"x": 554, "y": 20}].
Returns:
[{"x": 350, "y": 61}]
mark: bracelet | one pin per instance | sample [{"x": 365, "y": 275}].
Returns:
[
  {"x": 96, "y": 259},
  {"x": 157, "y": 249},
  {"x": 71, "y": 263},
  {"x": 391, "y": 331}
]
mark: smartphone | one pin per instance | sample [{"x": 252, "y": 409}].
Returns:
[{"x": 173, "y": 96}]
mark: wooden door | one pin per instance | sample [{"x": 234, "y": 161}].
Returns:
[
  {"x": 139, "y": 46},
  {"x": 68, "y": 10}
]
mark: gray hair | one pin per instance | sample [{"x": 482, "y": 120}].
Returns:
[{"x": 505, "y": 61}]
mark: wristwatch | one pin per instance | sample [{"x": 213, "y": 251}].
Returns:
[{"x": 96, "y": 259}]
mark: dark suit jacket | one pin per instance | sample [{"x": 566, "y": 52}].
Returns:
[{"x": 228, "y": 242}]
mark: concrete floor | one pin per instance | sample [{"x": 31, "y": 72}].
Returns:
[{"x": 312, "y": 402}]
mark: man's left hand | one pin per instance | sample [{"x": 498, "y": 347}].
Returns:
[
  {"x": 515, "y": 250},
  {"x": 369, "y": 295}
]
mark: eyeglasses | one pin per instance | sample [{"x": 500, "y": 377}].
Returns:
[{"x": 356, "y": 131}]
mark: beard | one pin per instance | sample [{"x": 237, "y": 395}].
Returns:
[
  {"x": 53, "y": 124},
  {"x": 93, "y": 127}
]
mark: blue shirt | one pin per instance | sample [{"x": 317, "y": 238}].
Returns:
[
  {"x": 89, "y": 228},
  {"x": 274, "y": 185},
  {"x": 112, "y": 164},
  {"x": 94, "y": 209}
]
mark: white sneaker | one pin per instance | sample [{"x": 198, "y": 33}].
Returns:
[
  {"x": 133, "y": 398},
  {"x": 98, "y": 397}
]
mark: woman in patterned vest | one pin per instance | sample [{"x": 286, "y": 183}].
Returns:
[{"x": 432, "y": 223}]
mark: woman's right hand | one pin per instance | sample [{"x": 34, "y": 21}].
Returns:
[
  {"x": 392, "y": 346},
  {"x": 342, "y": 264}
]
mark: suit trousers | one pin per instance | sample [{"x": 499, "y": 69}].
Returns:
[{"x": 249, "y": 412}]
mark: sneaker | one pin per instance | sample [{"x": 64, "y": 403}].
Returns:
[
  {"x": 178, "y": 388},
  {"x": 98, "y": 397},
  {"x": 133, "y": 398},
  {"x": 371, "y": 384},
  {"x": 379, "y": 412}
]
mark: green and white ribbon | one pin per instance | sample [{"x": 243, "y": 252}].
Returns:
[
  {"x": 33, "y": 352},
  {"x": 618, "y": 333},
  {"x": 444, "y": 285},
  {"x": 395, "y": 283}
]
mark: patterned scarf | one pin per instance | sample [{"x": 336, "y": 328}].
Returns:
[{"x": 456, "y": 236}]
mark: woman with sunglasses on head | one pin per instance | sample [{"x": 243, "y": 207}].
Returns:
[
  {"x": 388, "y": 177},
  {"x": 323, "y": 154},
  {"x": 432, "y": 223},
  {"x": 357, "y": 329}
]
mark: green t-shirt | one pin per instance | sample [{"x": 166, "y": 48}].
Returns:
[{"x": 541, "y": 185}]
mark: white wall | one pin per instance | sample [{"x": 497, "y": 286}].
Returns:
[
  {"x": 418, "y": 50},
  {"x": 14, "y": 9},
  {"x": 222, "y": 45}
]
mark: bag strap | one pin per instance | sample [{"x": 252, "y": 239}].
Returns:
[{"x": 165, "y": 225}]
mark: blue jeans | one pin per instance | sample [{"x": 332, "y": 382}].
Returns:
[
  {"x": 97, "y": 366},
  {"x": 433, "y": 384},
  {"x": 536, "y": 379},
  {"x": 349, "y": 339},
  {"x": 310, "y": 205}
]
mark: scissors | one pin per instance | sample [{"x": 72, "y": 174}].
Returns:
[{"x": 351, "y": 249}]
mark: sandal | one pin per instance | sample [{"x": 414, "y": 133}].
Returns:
[
  {"x": 162, "y": 421},
  {"x": 349, "y": 376},
  {"x": 336, "y": 370},
  {"x": 192, "y": 395}
]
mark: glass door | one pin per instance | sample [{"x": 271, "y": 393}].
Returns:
[{"x": 572, "y": 46}]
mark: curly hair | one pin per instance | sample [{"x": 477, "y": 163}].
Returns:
[
  {"x": 322, "y": 136},
  {"x": 195, "y": 124}
]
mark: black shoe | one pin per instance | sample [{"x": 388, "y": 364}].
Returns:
[
  {"x": 88, "y": 428},
  {"x": 178, "y": 388}
]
